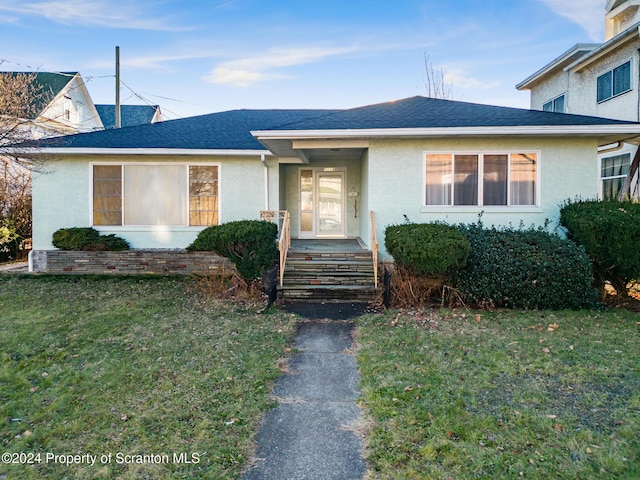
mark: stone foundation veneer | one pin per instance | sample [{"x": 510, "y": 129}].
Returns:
[{"x": 129, "y": 262}]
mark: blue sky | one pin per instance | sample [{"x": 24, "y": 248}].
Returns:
[{"x": 201, "y": 56}]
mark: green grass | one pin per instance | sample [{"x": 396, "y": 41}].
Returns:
[
  {"x": 131, "y": 366},
  {"x": 501, "y": 395}
]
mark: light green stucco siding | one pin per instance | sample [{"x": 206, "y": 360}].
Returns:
[
  {"x": 395, "y": 170},
  {"x": 62, "y": 198}
]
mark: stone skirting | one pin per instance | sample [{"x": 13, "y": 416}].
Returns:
[{"x": 129, "y": 262}]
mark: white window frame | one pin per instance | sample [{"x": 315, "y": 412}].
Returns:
[
  {"x": 614, "y": 95},
  {"x": 125, "y": 227},
  {"x": 553, "y": 104},
  {"x": 602, "y": 158},
  {"x": 479, "y": 206}
]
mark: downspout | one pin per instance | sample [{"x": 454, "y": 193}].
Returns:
[{"x": 266, "y": 181}]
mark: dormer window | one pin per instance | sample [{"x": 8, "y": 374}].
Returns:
[{"x": 614, "y": 82}]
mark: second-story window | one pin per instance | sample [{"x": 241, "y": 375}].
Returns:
[
  {"x": 555, "y": 105},
  {"x": 614, "y": 82}
]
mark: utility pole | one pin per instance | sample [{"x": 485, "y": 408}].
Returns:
[{"x": 117, "y": 87}]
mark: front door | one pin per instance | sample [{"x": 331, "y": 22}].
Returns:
[{"x": 321, "y": 203}]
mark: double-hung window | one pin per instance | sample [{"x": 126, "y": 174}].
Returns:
[
  {"x": 152, "y": 194},
  {"x": 555, "y": 105},
  {"x": 481, "y": 179},
  {"x": 614, "y": 82},
  {"x": 613, "y": 171}
]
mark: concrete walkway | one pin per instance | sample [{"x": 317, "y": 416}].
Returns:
[{"x": 311, "y": 434}]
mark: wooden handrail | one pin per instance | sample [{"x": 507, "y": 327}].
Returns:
[
  {"x": 284, "y": 243},
  {"x": 374, "y": 248}
]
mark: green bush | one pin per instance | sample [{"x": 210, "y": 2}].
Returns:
[
  {"x": 249, "y": 244},
  {"x": 86, "y": 238},
  {"x": 9, "y": 240},
  {"x": 426, "y": 248},
  {"x": 610, "y": 233},
  {"x": 529, "y": 269}
]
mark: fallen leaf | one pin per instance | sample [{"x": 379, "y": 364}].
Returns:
[
  {"x": 552, "y": 416},
  {"x": 478, "y": 317},
  {"x": 408, "y": 389},
  {"x": 431, "y": 417},
  {"x": 587, "y": 450},
  {"x": 531, "y": 461},
  {"x": 552, "y": 327},
  {"x": 559, "y": 427},
  {"x": 546, "y": 350}
]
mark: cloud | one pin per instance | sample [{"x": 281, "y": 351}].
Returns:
[
  {"x": 89, "y": 13},
  {"x": 247, "y": 71},
  {"x": 589, "y": 14}
]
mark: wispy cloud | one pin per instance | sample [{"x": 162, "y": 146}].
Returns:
[
  {"x": 247, "y": 71},
  {"x": 101, "y": 13},
  {"x": 589, "y": 14}
]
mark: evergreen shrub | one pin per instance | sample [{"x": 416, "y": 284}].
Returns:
[
  {"x": 427, "y": 248},
  {"x": 609, "y": 231},
  {"x": 525, "y": 269},
  {"x": 249, "y": 244},
  {"x": 87, "y": 238}
]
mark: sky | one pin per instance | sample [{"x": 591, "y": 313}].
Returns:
[{"x": 194, "y": 57}]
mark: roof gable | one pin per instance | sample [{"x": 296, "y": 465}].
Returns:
[{"x": 48, "y": 84}]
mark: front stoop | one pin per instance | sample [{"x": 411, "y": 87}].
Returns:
[{"x": 329, "y": 276}]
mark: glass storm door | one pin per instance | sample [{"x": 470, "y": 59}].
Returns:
[{"x": 321, "y": 204}]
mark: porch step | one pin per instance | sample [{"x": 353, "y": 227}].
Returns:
[{"x": 329, "y": 276}]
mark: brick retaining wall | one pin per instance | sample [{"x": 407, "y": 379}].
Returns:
[{"x": 129, "y": 262}]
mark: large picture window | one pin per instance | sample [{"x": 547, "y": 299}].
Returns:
[
  {"x": 481, "y": 179},
  {"x": 151, "y": 194},
  {"x": 614, "y": 82}
]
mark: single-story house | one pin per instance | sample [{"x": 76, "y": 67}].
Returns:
[{"x": 158, "y": 185}]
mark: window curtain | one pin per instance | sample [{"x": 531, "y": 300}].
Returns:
[
  {"x": 155, "y": 195},
  {"x": 438, "y": 179},
  {"x": 465, "y": 178},
  {"x": 522, "y": 174},
  {"x": 107, "y": 195},
  {"x": 494, "y": 187}
]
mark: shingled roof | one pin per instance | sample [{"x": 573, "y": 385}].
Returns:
[
  {"x": 235, "y": 129},
  {"x": 130, "y": 115}
]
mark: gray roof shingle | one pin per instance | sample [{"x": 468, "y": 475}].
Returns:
[
  {"x": 130, "y": 115},
  {"x": 232, "y": 129}
]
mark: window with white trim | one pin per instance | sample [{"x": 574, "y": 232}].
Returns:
[
  {"x": 614, "y": 82},
  {"x": 150, "y": 194},
  {"x": 554, "y": 105},
  {"x": 613, "y": 171},
  {"x": 481, "y": 179}
]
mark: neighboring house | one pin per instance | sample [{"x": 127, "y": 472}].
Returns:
[
  {"x": 64, "y": 106},
  {"x": 130, "y": 115},
  {"x": 425, "y": 159},
  {"x": 600, "y": 80}
]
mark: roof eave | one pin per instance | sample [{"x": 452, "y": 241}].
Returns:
[
  {"x": 541, "y": 130},
  {"x": 604, "y": 49},
  {"x": 72, "y": 151},
  {"x": 553, "y": 65}
]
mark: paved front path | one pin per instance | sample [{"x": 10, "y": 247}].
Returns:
[{"x": 311, "y": 434}]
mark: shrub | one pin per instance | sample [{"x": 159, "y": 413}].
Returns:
[
  {"x": 610, "y": 233},
  {"x": 426, "y": 248},
  {"x": 529, "y": 269},
  {"x": 9, "y": 240},
  {"x": 86, "y": 238},
  {"x": 249, "y": 244}
]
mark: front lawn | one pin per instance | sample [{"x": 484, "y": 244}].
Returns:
[
  {"x": 501, "y": 395},
  {"x": 130, "y": 378}
]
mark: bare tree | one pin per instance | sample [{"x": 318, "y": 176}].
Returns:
[
  {"x": 438, "y": 84},
  {"x": 21, "y": 100}
]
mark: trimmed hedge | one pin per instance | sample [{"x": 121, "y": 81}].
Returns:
[
  {"x": 610, "y": 233},
  {"x": 87, "y": 238},
  {"x": 249, "y": 244},
  {"x": 528, "y": 269},
  {"x": 427, "y": 248}
]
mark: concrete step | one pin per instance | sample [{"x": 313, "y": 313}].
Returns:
[{"x": 335, "y": 293}]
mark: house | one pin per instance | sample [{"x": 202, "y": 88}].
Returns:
[
  {"x": 130, "y": 115},
  {"x": 64, "y": 106},
  {"x": 158, "y": 185},
  {"x": 600, "y": 79}
]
